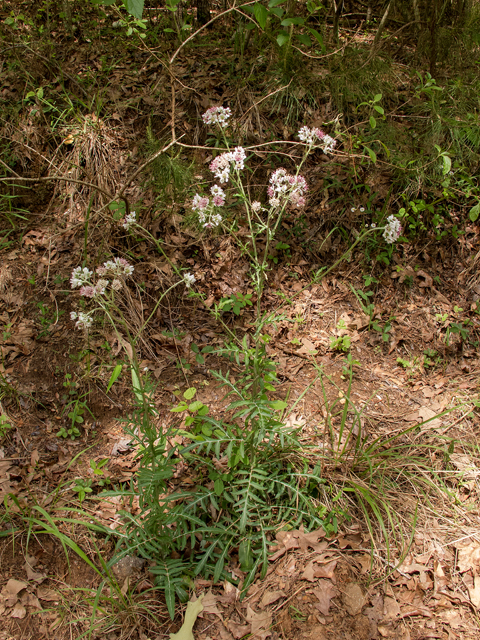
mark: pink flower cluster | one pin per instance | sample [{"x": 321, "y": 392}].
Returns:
[
  {"x": 217, "y": 115},
  {"x": 310, "y": 136},
  {"x": 286, "y": 188},
  {"x": 207, "y": 215},
  {"x": 89, "y": 291},
  {"x": 221, "y": 165},
  {"x": 316, "y": 137}
]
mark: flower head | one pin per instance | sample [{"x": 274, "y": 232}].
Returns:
[
  {"x": 217, "y": 115},
  {"x": 116, "y": 285},
  {"x": 311, "y": 136},
  {"x": 221, "y": 165},
  {"x": 116, "y": 267},
  {"x": 199, "y": 203},
  {"x": 329, "y": 144},
  {"x": 286, "y": 188},
  {"x": 129, "y": 220},
  {"x": 189, "y": 279},
  {"x": 80, "y": 276},
  {"x": 83, "y": 320},
  {"x": 392, "y": 230}
]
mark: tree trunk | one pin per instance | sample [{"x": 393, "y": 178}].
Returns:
[{"x": 203, "y": 11}]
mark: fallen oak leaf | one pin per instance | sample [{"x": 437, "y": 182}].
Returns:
[
  {"x": 210, "y": 605},
  {"x": 259, "y": 621},
  {"x": 324, "y": 595},
  {"x": 238, "y": 630}
]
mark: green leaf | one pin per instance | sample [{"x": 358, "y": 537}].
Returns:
[
  {"x": 275, "y": 3},
  {"x": 261, "y": 14},
  {"x": 195, "y": 406},
  {"x": 200, "y": 359},
  {"x": 218, "y": 486},
  {"x": 189, "y": 393},
  {"x": 278, "y": 405},
  {"x": 373, "y": 122},
  {"x": 282, "y": 38},
  {"x": 474, "y": 212},
  {"x": 115, "y": 373},
  {"x": 372, "y": 154},
  {"x": 245, "y": 555},
  {"x": 447, "y": 164},
  {"x": 195, "y": 348},
  {"x": 134, "y": 8},
  {"x": 278, "y": 11},
  {"x": 181, "y": 407},
  {"x": 304, "y": 39},
  {"x": 318, "y": 37},
  {"x": 289, "y": 21},
  {"x": 379, "y": 109},
  {"x": 377, "y": 97}
]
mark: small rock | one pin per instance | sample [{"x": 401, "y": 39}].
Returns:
[{"x": 127, "y": 567}]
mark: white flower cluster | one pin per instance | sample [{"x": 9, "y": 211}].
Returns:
[
  {"x": 80, "y": 276},
  {"x": 329, "y": 144},
  {"x": 217, "y": 115},
  {"x": 189, "y": 279},
  {"x": 83, "y": 278},
  {"x": 115, "y": 267},
  {"x": 393, "y": 230},
  {"x": 83, "y": 320},
  {"x": 129, "y": 220},
  {"x": 286, "y": 188},
  {"x": 317, "y": 138},
  {"x": 208, "y": 215},
  {"x": 310, "y": 136},
  {"x": 221, "y": 165}
]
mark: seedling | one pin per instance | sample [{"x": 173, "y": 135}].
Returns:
[
  {"x": 342, "y": 343},
  {"x": 82, "y": 487}
]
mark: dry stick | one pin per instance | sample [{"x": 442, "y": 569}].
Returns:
[{"x": 9, "y": 168}]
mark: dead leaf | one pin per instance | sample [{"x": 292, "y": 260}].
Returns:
[
  {"x": 259, "y": 621},
  {"x": 324, "y": 594},
  {"x": 49, "y": 595},
  {"x": 29, "y": 600},
  {"x": 18, "y": 611},
  {"x": 31, "y": 561},
  {"x": 468, "y": 556},
  {"x": 474, "y": 592},
  {"x": 210, "y": 605},
  {"x": 353, "y": 598},
  {"x": 425, "y": 413},
  {"x": 307, "y": 348},
  {"x": 271, "y": 596},
  {"x": 13, "y": 587},
  {"x": 428, "y": 279},
  {"x": 391, "y": 609},
  {"x": 238, "y": 630}
]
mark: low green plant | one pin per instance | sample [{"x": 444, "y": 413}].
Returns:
[
  {"x": 48, "y": 317},
  {"x": 234, "y": 303},
  {"x": 5, "y": 425},
  {"x": 74, "y": 409},
  {"x": 82, "y": 487},
  {"x": 340, "y": 343}
]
